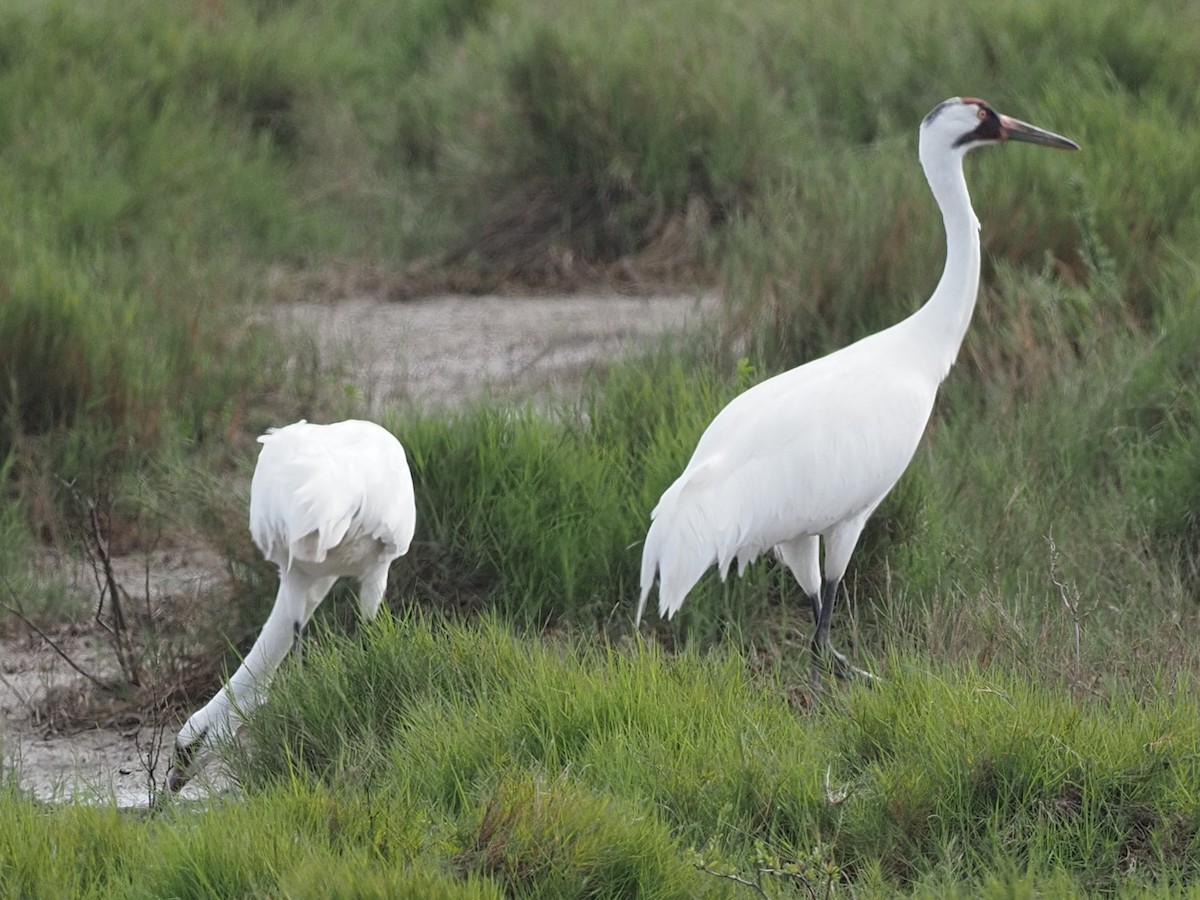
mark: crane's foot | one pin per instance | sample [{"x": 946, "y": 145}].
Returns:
[{"x": 826, "y": 659}]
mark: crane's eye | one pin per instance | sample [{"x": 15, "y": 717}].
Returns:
[{"x": 982, "y": 114}]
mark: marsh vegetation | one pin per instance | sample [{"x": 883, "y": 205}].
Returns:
[{"x": 1027, "y": 593}]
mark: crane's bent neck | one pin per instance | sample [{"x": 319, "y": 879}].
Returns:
[
  {"x": 247, "y": 687},
  {"x": 941, "y": 323}
]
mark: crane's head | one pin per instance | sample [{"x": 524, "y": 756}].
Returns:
[
  {"x": 961, "y": 124},
  {"x": 188, "y": 746},
  {"x": 209, "y": 726}
]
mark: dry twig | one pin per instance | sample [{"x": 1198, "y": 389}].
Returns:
[{"x": 32, "y": 626}]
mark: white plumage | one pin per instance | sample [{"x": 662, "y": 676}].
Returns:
[
  {"x": 326, "y": 501},
  {"x": 807, "y": 456}
]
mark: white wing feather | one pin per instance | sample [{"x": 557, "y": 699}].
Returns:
[
  {"x": 315, "y": 486},
  {"x": 794, "y": 455}
]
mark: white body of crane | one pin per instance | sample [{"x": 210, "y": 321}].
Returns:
[
  {"x": 326, "y": 501},
  {"x": 808, "y": 455}
]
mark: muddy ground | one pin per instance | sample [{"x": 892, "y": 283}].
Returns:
[{"x": 440, "y": 352}]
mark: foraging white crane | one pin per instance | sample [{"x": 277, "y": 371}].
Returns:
[
  {"x": 325, "y": 501},
  {"x": 807, "y": 455}
]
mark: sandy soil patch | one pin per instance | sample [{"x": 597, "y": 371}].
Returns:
[
  {"x": 56, "y": 758},
  {"x": 447, "y": 351}
]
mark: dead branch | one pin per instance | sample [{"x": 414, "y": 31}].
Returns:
[
  {"x": 96, "y": 544},
  {"x": 32, "y": 626},
  {"x": 149, "y": 753}
]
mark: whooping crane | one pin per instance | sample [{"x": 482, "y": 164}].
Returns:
[
  {"x": 325, "y": 501},
  {"x": 807, "y": 455}
]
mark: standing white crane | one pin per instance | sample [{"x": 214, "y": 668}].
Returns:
[
  {"x": 325, "y": 501},
  {"x": 809, "y": 454}
]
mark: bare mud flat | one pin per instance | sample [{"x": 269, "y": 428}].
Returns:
[
  {"x": 443, "y": 352},
  {"x": 448, "y": 351},
  {"x": 110, "y": 760}
]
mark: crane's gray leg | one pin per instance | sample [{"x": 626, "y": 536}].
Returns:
[
  {"x": 839, "y": 545},
  {"x": 801, "y": 556},
  {"x": 824, "y": 656}
]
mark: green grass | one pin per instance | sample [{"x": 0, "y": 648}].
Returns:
[
  {"x": 1028, "y": 591},
  {"x": 159, "y": 171},
  {"x": 483, "y": 764}
]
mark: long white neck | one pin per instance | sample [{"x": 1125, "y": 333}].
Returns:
[
  {"x": 941, "y": 324},
  {"x": 247, "y": 687}
]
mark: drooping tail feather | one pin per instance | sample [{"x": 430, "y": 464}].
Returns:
[
  {"x": 649, "y": 570},
  {"x": 679, "y": 547}
]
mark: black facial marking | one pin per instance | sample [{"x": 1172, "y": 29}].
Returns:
[
  {"x": 933, "y": 113},
  {"x": 184, "y": 754},
  {"x": 989, "y": 128},
  {"x": 183, "y": 757}
]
